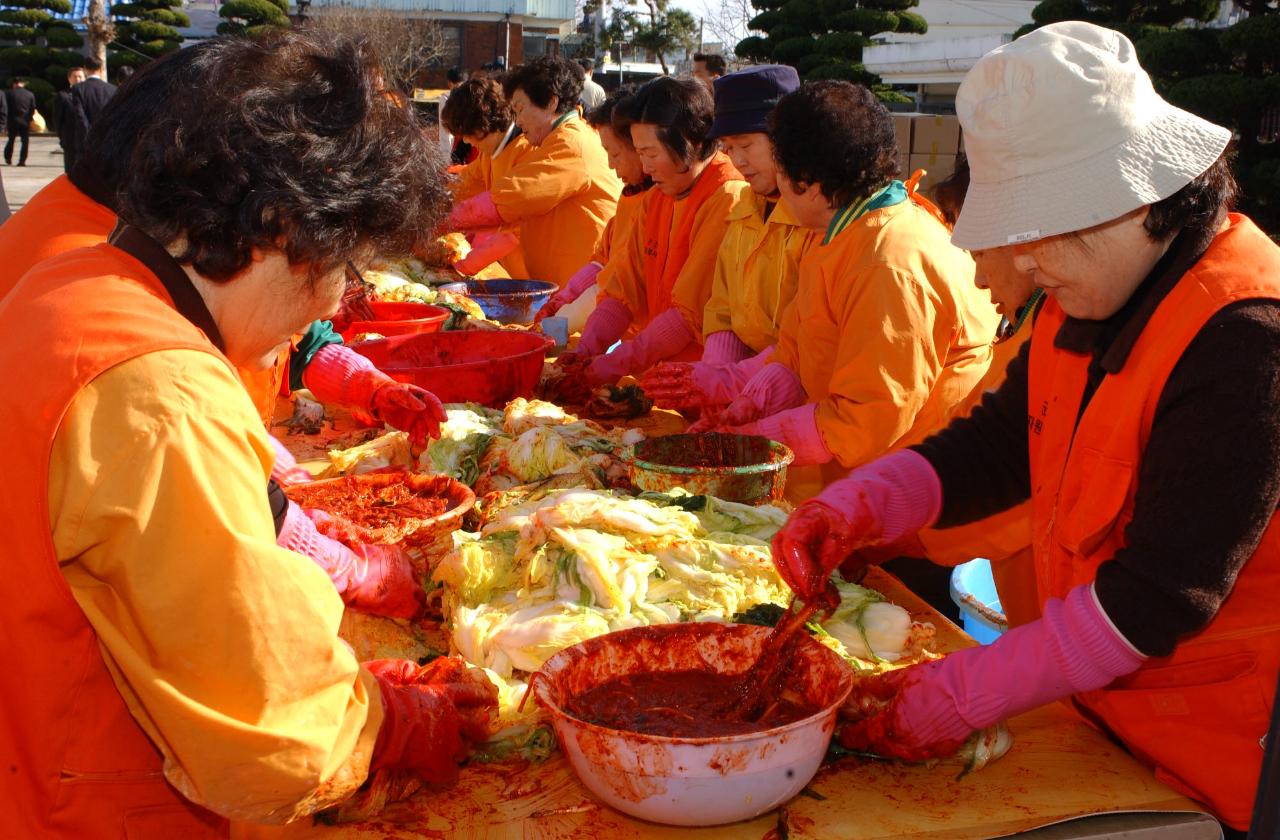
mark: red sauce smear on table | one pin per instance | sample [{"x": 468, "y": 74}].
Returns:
[
  {"x": 370, "y": 505},
  {"x": 678, "y": 704}
]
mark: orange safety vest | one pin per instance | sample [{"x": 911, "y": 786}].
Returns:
[
  {"x": 76, "y": 762},
  {"x": 1199, "y": 715},
  {"x": 667, "y": 250}
]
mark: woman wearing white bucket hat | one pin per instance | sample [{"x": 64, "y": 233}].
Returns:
[{"x": 1141, "y": 424}]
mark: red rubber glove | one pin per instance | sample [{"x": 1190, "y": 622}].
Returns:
[
  {"x": 375, "y": 579},
  {"x": 816, "y": 539},
  {"x": 410, "y": 409},
  {"x": 663, "y": 337},
  {"x": 487, "y": 249},
  {"x": 285, "y": 470},
  {"x": 583, "y": 279},
  {"x": 928, "y": 711},
  {"x": 475, "y": 213},
  {"x": 433, "y": 716}
]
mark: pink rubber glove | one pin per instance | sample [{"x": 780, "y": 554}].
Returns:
[
  {"x": 724, "y": 347},
  {"x": 286, "y": 470},
  {"x": 582, "y": 279},
  {"x": 475, "y": 213},
  {"x": 797, "y": 428},
  {"x": 338, "y": 374},
  {"x": 701, "y": 385},
  {"x": 376, "y": 579},
  {"x": 880, "y": 502},
  {"x": 605, "y": 326},
  {"x": 932, "y": 708},
  {"x": 772, "y": 389},
  {"x": 487, "y": 249},
  {"x": 432, "y": 715},
  {"x": 665, "y": 336}
]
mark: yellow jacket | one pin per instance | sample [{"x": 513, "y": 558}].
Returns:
[
  {"x": 623, "y": 277},
  {"x": 174, "y": 563},
  {"x": 480, "y": 176},
  {"x": 757, "y": 271},
  {"x": 619, "y": 227},
  {"x": 888, "y": 334},
  {"x": 561, "y": 194}
]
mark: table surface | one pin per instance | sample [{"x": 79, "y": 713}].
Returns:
[{"x": 1059, "y": 768}]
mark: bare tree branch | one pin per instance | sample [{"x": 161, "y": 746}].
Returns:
[
  {"x": 725, "y": 21},
  {"x": 408, "y": 45}
]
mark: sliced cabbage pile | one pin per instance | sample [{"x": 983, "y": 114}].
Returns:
[{"x": 564, "y": 566}]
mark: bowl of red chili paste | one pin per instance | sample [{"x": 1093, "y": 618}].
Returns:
[
  {"x": 645, "y": 718},
  {"x": 418, "y": 511}
]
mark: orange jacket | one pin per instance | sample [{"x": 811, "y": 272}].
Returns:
[
  {"x": 481, "y": 174},
  {"x": 57, "y": 219},
  {"x": 87, "y": 767},
  {"x": 1197, "y": 716},
  {"x": 60, "y": 218}
]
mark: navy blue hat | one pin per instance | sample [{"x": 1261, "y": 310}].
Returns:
[{"x": 744, "y": 99}]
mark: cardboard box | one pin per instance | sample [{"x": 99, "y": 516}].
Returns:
[
  {"x": 937, "y": 167},
  {"x": 935, "y": 135},
  {"x": 902, "y": 130},
  {"x": 904, "y": 161}
]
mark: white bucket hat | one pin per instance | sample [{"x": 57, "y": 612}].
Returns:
[{"x": 1064, "y": 131}]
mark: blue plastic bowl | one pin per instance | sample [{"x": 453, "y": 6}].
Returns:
[
  {"x": 974, "y": 591},
  {"x": 510, "y": 301}
]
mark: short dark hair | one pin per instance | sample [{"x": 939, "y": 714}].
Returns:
[
  {"x": 93, "y": 64},
  {"x": 476, "y": 108},
  {"x": 714, "y": 63},
  {"x": 288, "y": 142},
  {"x": 681, "y": 108},
  {"x": 456, "y": 75},
  {"x": 836, "y": 135},
  {"x": 602, "y": 114},
  {"x": 545, "y": 77},
  {"x": 1198, "y": 208},
  {"x": 587, "y": 65}
]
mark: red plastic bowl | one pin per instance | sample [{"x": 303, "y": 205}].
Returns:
[
  {"x": 490, "y": 368},
  {"x": 399, "y": 319}
]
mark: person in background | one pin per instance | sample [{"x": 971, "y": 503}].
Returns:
[
  {"x": 707, "y": 67},
  {"x": 453, "y": 77},
  {"x": 89, "y": 98},
  {"x": 123, "y": 73},
  {"x": 199, "y": 660},
  {"x": 660, "y": 286},
  {"x": 758, "y": 266},
  {"x": 479, "y": 114},
  {"x": 576, "y": 300},
  {"x": 592, "y": 94},
  {"x": 1140, "y": 422},
  {"x": 560, "y": 195},
  {"x": 64, "y": 118},
  {"x": 21, "y": 108},
  {"x": 887, "y": 334},
  {"x": 78, "y": 211}
]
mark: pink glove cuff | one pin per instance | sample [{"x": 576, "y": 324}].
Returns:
[
  {"x": 1073, "y": 648},
  {"x": 774, "y": 388},
  {"x": 901, "y": 491},
  {"x": 487, "y": 249},
  {"x": 299, "y": 535},
  {"x": 665, "y": 336},
  {"x": 582, "y": 279},
  {"x": 798, "y": 429},
  {"x": 724, "y": 347},
  {"x": 285, "y": 470},
  {"x": 605, "y": 326},
  {"x": 339, "y": 375},
  {"x": 475, "y": 213}
]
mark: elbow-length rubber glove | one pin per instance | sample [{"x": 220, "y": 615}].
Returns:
[
  {"x": 376, "y": 579},
  {"x": 703, "y": 384},
  {"x": 664, "y": 336},
  {"x": 433, "y": 716},
  {"x": 476, "y": 213},
  {"x": 285, "y": 470},
  {"x": 928, "y": 711},
  {"x": 339, "y": 375},
  {"x": 606, "y": 325},
  {"x": 582, "y": 279},
  {"x": 725, "y": 348},
  {"x": 487, "y": 249},
  {"x": 879, "y": 502}
]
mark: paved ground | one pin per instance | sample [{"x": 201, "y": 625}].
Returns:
[{"x": 44, "y": 163}]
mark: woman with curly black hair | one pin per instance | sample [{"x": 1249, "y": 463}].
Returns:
[
  {"x": 660, "y": 285},
  {"x": 888, "y": 333},
  {"x": 198, "y": 661},
  {"x": 562, "y": 194},
  {"x": 478, "y": 112}
]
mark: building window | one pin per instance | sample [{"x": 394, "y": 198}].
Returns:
[
  {"x": 451, "y": 48},
  {"x": 534, "y": 46}
]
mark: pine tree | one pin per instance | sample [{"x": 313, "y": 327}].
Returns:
[
  {"x": 823, "y": 39},
  {"x": 42, "y": 49},
  {"x": 245, "y": 17},
  {"x": 145, "y": 30},
  {"x": 1230, "y": 76}
]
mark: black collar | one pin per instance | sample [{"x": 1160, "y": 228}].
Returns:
[{"x": 185, "y": 297}]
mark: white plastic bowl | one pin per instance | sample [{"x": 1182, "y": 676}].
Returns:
[{"x": 691, "y": 781}]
